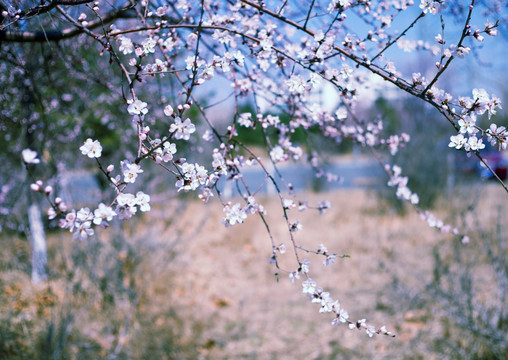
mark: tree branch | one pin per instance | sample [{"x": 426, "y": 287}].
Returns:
[
  {"x": 57, "y": 35},
  {"x": 465, "y": 32},
  {"x": 43, "y": 8}
]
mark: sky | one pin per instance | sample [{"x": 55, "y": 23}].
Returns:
[{"x": 486, "y": 69}]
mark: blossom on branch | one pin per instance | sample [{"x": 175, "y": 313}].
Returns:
[
  {"x": 91, "y": 148},
  {"x": 431, "y": 6},
  {"x": 130, "y": 171},
  {"x": 182, "y": 129},
  {"x": 137, "y": 107},
  {"x": 233, "y": 214},
  {"x": 30, "y": 156}
]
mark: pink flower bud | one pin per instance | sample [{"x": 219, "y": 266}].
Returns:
[
  {"x": 51, "y": 213},
  {"x": 168, "y": 110},
  {"x": 110, "y": 168},
  {"x": 478, "y": 36},
  {"x": 35, "y": 187},
  {"x": 48, "y": 189},
  {"x": 492, "y": 32},
  {"x": 58, "y": 200}
]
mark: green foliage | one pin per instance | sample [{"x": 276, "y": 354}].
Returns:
[
  {"x": 311, "y": 138},
  {"x": 421, "y": 159}
]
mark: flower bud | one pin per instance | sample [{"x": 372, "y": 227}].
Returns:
[
  {"x": 168, "y": 110},
  {"x": 51, "y": 213}
]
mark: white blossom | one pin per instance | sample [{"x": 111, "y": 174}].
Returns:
[
  {"x": 91, "y": 148},
  {"x": 137, "y": 107},
  {"x": 130, "y": 171},
  {"x": 182, "y": 129},
  {"x": 233, "y": 215},
  {"x": 30, "y": 156}
]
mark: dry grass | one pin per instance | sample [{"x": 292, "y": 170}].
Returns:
[
  {"x": 256, "y": 317},
  {"x": 169, "y": 290}
]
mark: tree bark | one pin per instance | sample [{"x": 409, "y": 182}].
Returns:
[{"x": 38, "y": 243}]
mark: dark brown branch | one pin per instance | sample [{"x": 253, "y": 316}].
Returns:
[
  {"x": 41, "y": 9},
  {"x": 398, "y": 37},
  {"x": 105, "y": 44},
  {"x": 57, "y": 35},
  {"x": 308, "y": 15},
  {"x": 465, "y": 32}
]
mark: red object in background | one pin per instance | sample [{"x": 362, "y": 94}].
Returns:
[
  {"x": 497, "y": 162},
  {"x": 501, "y": 172}
]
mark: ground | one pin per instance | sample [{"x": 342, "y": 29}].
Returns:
[{"x": 228, "y": 304}]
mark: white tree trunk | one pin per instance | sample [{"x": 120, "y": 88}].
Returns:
[{"x": 38, "y": 242}]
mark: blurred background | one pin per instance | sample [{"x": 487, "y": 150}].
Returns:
[{"x": 177, "y": 285}]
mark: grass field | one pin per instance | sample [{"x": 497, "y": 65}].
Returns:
[{"x": 181, "y": 286}]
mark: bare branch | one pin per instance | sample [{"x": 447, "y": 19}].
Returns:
[
  {"x": 41, "y": 9},
  {"x": 57, "y": 35}
]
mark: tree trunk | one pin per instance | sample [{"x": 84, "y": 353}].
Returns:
[{"x": 38, "y": 242}]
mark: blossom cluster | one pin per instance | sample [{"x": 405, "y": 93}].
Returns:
[
  {"x": 81, "y": 222},
  {"x": 470, "y": 136},
  {"x": 403, "y": 192},
  {"x": 341, "y": 316}
]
